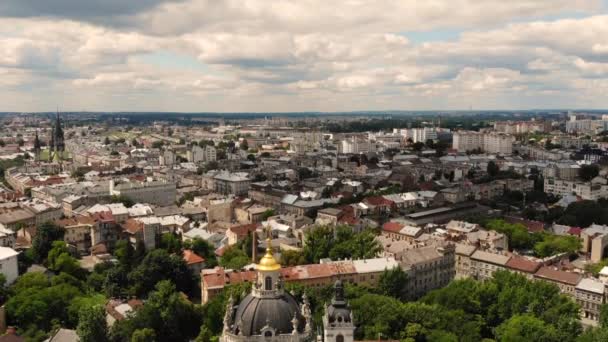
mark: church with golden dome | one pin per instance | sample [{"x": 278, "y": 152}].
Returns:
[
  {"x": 271, "y": 314},
  {"x": 268, "y": 313}
]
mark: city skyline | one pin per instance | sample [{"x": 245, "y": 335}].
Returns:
[{"x": 253, "y": 56}]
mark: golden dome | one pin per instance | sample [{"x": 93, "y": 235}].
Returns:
[{"x": 268, "y": 262}]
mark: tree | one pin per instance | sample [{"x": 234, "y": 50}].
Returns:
[
  {"x": 244, "y": 145},
  {"x": 204, "y": 249},
  {"x": 588, "y": 172},
  {"x": 159, "y": 265},
  {"x": 114, "y": 153},
  {"x": 166, "y": 312},
  {"x": 251, "y": 157},
  {"x": 526, "y": 328},
  {"x": 92, "y": 326},
  {"x": 292, "y": 258},
  {"x": 492, "y": 169},
  {"x": 42, "y": 242},
  {"x": 418, "y": 146},
  {"x": 60, "y": 260},
  {"x": 205, "y": 335},
  {"x": 234, "y": 258},
  {"x": 158, "y": 144},
  {"x": 134, "y": 143},
  {"x": 604, "y": 316},
  {"x": 106, "y": 141},
  {"x": 393, "y": 283},
  {"x": 125, "y": 200},
  {"x": 268, "y": 213},
  {"x": 212, "y": 165},
  {"x": 143, "y": 335}
]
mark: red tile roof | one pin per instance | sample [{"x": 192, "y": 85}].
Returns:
[
  {"x": 192, "y": 258},
  {"x": 378, "y": 201},
  {"x": 392, "y": 227},
  {"x": 552, "y": 274},
  {"x": 575, "y": 231},
  {"x": 522, "y": 264},
  {"x": 244, "y": 230}
]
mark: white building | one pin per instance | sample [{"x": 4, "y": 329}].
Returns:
[
  {"x": 586, "y": 190},
  {"x": 464, "y": 141},
  {"x": 357, "y": 145},
  {"x": 8, "y": 264},
  {"x": 156, "y": 192},
  {"x": 201, "y": 154}
]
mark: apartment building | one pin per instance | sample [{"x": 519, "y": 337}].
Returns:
[
  {"x": 501, "y": 143},
  {"x": 484, "y": 264},
  {"x": 199, "y": 154},
  {"x": 428, "y": 268},
  {"x": 231, "y": 183},
  {"x": 589, "y": 294},
  {"x": 586, "y": 190},
  {"x": 160, "y": 193},
  {"x": 365, "y": 271}
]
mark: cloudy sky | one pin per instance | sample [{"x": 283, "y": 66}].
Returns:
[{"x": 302, "y": 55}]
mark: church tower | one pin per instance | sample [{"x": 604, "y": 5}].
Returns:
[
  {"x": 57, "y": 143},
  {"x": 338, "y": 323},
  {"x": 37, "y": 148}
]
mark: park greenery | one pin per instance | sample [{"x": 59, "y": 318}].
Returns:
[{"x": 74, "y": 298}]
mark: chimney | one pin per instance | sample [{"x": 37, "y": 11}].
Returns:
[{"x": 254, "y": 246}]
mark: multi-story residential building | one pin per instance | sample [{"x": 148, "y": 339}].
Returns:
[
  {"x": 589, "y": 294},
  {"x": 462, "y": 262},
  {"x": 586, "y": 190},
  {"x": 8, "y": 264},
  {"x": 156, "y": 192},
  {"x": 428, "y": 268},
  {"x": 518, "y": 127},
  {"x": 484, "y": 264},
  {"x": 565, "y": 171},
  {"x": 566, "y": 281},
  {"x": 464, "y": 141},
  {"x": 595, "y": 241},
  {"x": 227, "y": 183},
  {"x": 357, "y": 145},
  {"x": 199, "y": 154},
  {"x": 78, "y": 232},
  {"x": 498, "y": 143},
  {"x": 540, "y": 153},
  {"x": 366, "y": 272}
]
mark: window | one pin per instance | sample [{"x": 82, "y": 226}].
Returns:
[
  {"x": 268, "y": 284},
  {"x": 339, "y": 338}
]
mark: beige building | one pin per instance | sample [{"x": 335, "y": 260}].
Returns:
[
  {"x": 428, "y": 268},
  {"x": 484, "y": 264},
  {"x": 589, "y": 294},
  {"x": 595, "y": 240}
]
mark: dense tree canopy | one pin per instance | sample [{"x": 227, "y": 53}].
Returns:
[{"x": 339, "y": 243}]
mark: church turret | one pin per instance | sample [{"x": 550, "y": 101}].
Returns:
[{"x": 338, "y": 323}]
